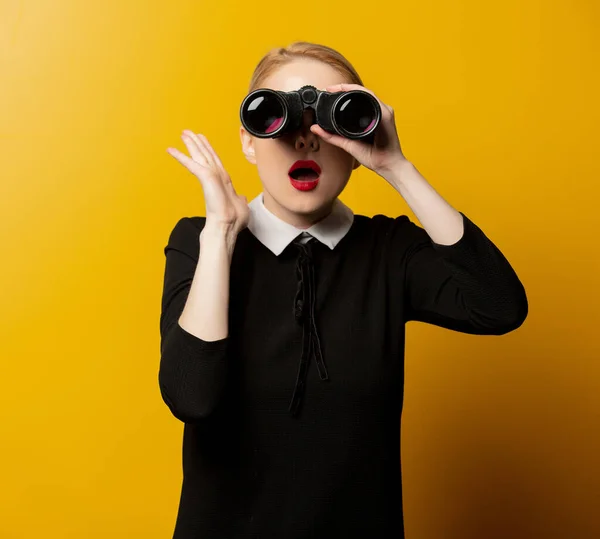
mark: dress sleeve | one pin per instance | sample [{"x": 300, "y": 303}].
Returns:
[
  {"x": 468, "y": 286},
  {"x": 192, "y": 372}
]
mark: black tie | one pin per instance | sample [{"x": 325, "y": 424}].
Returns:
[{"x": 304, "y": 312}]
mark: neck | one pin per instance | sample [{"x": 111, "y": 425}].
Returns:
[{"x": 299, "y": 220}]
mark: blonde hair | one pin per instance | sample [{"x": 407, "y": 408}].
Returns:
[{"x": 281, "y": 56}]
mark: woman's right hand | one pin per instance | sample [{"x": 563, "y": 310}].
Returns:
[{"x": 225, "y": 209}]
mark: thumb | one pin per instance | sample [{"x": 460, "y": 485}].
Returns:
[
  {"x": 332, "y": 138},
  {"x": 353, "y": 147}
]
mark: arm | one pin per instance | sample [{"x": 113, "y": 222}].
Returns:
[
  {"x": 443, "y": 223},
  {"x": 455, "y": 277},
  {"x": 195, "y": 302},
  {"x": 193, "y": 324}
]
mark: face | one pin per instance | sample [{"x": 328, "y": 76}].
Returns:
[{"x": 274, "y": 157}]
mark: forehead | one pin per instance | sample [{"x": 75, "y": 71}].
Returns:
[{"x": 301, "y": 72}]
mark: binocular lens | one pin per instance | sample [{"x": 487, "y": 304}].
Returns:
[
  {"x": 355, "y": 113},
  {"x": 264, "y": 113},
  {"x": 269, "y": 113}
]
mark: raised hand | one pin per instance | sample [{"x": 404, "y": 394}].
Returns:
[{"x": 224, "y": 207}]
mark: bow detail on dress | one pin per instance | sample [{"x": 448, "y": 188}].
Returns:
[{"x": 304, "y": 312}]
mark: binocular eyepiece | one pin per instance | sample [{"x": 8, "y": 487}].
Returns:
[{"x": 353, "y": 114}]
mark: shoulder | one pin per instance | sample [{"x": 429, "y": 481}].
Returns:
[
  {"x": 187, "y": 225},
  {"x": 386, "y": 230},
  {"x": 185, "y": 233}
]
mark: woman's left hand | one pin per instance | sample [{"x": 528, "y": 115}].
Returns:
[{"x": 384, "y": 154}]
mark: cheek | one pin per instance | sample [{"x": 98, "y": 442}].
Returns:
[
  {"x": 270, "y": 161},
  {"x": 339, "y": 161},
  {"x": 341, "y": 156}
]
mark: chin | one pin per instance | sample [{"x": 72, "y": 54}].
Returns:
[
  {"x": 307, "y": 202},
  {"x": 312, "y": 205}
]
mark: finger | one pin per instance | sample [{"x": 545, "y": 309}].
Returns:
[
  {"x": 210, "y": 150},
  {"x": 191, "y": 142},
  {"x": 193, "y": 166},
  {"x": 346, "y": 87},
  {"x": 215, "y": 162},
  {"x": 193, "y": 149},
  {"x": 326, "y": 135},
  {"x": 336, "y": 140},
  {"x": 202, "y": 144}
]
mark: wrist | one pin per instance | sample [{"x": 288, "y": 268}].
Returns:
[
  {"x": 218, "y": 236},
  {"x": 400, "y": 173}
]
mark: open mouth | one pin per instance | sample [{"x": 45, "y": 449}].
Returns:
[{"x": 304, "y": 175}]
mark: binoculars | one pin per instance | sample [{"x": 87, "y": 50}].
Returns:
[{"x": 353, "y": 114}]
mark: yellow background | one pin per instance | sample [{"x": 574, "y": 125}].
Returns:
[{"x": 497, "y": 105}]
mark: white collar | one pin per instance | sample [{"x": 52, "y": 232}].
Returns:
[{"x": 276, "y": 234}]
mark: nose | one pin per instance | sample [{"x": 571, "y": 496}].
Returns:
[{"x": 304, "y": 138}]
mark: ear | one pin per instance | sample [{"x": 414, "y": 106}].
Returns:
[
  {"x": 355, "y": 165},
  {"x": 247, "y": 145}
]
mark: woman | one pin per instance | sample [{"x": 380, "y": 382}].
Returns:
[{"x": 275, "y": 446}]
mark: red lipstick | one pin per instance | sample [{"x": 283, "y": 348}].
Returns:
[{"x": 304, "y": 175}]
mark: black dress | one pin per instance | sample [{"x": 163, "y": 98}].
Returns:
[{"x": 292, "y": 422}]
